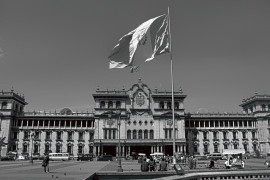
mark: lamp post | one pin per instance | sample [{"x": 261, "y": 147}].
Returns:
[
  {"x": 120, "y": 169},
  {"x": 32, "y": 138}
]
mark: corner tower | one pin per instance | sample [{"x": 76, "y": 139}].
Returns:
[{"x": 11, "y": 105}]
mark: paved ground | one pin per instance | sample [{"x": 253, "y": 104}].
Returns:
[{"x": 24, "y": 170}]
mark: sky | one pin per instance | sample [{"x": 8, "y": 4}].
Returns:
[{"x": 56, "y": 52}]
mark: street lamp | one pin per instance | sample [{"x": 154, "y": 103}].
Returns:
[
  {"x": 32, "y": 138},
  {"x": 120, "y": 169}
]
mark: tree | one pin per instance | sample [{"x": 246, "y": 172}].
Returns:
[{"x": 2, "y": 144}]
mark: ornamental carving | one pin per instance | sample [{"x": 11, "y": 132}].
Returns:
[
  {"x": 110, "y": 122},
  {"x": 140, "y": 99},
  {"x": 170, "y": 122}
]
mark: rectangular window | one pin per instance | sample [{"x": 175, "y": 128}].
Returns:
[
  {"x": 244, "y": 135},
  {"x": 69, "y": 149},
  {"x": 216, "y": 124},
  {"x": 40, "y": 123},
  {"x": 36, "y": 123},
  {"x": 245, "y": 147},
  {"x": 225, "y": 146},
  {"x": 215, "y": 148},
  {"x": 48, "y": 135},
  {"x": 47, "y": 148},
  {"x": 62, "y": 123},
  {"x": 215, "y": 135},
  {"x": 80, "y": 149},
  {"x": 110, "y": 134},
  {"x": 231, "y": 123},
  {"x": 51, "y": 123},
  {"x": 205, "y": 148},
  {"x": 166, "y": 135},
  {"x": 206, "y": 123},
  {"x": 69, "y": 135},
  {"x": 204, "y": 135},
  {"x": 26, "y": 135},
  {"x": 36, "y": 149},
  {"x": 58, "y": 148},
  {"x": 57, "y": 123},
  {"x": 235, "y": 146},
  {"x": 59, "y": 136},
  {"x": 83, "y": 123},
  {"x": 25, "y": 148},
  {"x": 211, "y": 123},
  {"x": 68, "y": 123},
  {"x": 221, "y": 123},
  {"x": 226, "y": 123},
  {"x": 80, "y": 135},
  {"x": 224, "y": 135},
  {"x": 15, "y": 135},
  {"x": 114, "y": 134},
  {"x": 234, "y": 135},
  {"x": 105, "y": 134},
  {"x": 91, "y": 136},
  {"x": 196, "y": 123},
  {"x": 170, "y": 133},
  {"x": 37, "y": 135},
  {"x": 235, "y": 123},
  {"x": 253, "y": 135},
  {"x": 202, "y": 123}
]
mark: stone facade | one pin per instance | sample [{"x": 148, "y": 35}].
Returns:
[{"x": 141, "y": 117}]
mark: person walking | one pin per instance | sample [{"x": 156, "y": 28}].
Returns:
[
  {"x": 46, "y": 164},
  {"x": 163, "y": 165},
  {"x": 152, "y": 164},
  {"x": 145, "y": 166}
]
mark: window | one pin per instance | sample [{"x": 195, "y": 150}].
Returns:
[
  {"x": 36, "y": 149},
  {"x": 195, "y": 134},
  {"x": 140, "y": 122},
  {"x": 245, "y": 147},
  {"x": 15, "y": 135},
  {"x": 80, "y": 149},
  {"x": 69, "y": 149},
  {"x": 59, "y": 135},
  {"x": 226, "y": 123},
  {"x": 91, "y": 149},
  {"x": 114, "y": 134},
  {"x": 128, "y": 134},
  {"x": 134, "y": 134},
  {"x": 215, "y": 135},
  {"x": 235, "y": 123},
  {"x": 37, "y": 135},
  {"x": 206, "y": 123},
  {"x": 169, "y": 105},
  {"x": 80, "y": 135},
  {"x": 110, "y": 104},
  {"x": 195, "y": 149},
  {"x": 244, "y": 135},
  {"x": 105, "y": 134},
  {"x": 69, "y": 135},
  {"x": 140, "y": 134},
  {"x": 202, "y": 123},
  {"x": 253, "y": 134},
  {"x": 224, "y": 135},
  {"x": 134, "y": 123},
  {"x": 161, "y": 105},
  {"x": 235, "y": 146},
  {"x": 118, "y": 104},
  {"x": 145, "y": 134},
  {"x": 26, "y": 135},
  {"x": 102, "y": 105},
  {"x": 176, "y": 105},
  {"x": 145, "y": 122},
  {"x": 47, "y": 148},
  {"x": 91, "y": 138},
  {"x": 25, "y": 148},
  {"x": 215, "y": 148},
  {"x": 263, "y": 107},
  {"x": 204, "y": 135},
  {"x": 255, "y": 147},
  {"x": 58, "y": 148},
  {"x": 216, "y": 124},
  {"x": 4, "y": 105},
  {"x": 110, "y": 134},
  {"x": 225, "y": 146},
  {"x": 231, "y": 123},
  {"x": 48, "y": 135},
  {"x": 211, "y": 123},
  {"x": 151, "y": 123},
  {"x": 205, "y": 148},
  {"x": 234, "y": 135},
  {"x": 151, "y": 134}
]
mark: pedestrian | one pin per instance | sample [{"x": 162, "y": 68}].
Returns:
[
  {"x": 144, "y": 166},
  {"x": 45, "y": 164},
  {"x": 163, "y": 165},
  {"x": 152, "y": 164}
]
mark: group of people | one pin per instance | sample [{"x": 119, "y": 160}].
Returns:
[{"x": 149, "y": 164}]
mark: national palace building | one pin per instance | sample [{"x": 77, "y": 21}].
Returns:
[{"x": 143, "y": 119}]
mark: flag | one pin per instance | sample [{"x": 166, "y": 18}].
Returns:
[{"x": 122, "y": 54}]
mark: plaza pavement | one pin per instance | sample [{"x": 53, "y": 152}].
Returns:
[{"x": 24, "y": 170}]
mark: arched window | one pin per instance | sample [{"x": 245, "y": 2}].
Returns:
[
  {"x": 118, "y": 104},
  {"x": 151, "y": 134},
  {"x": 134, "y": 134},
  {"x": 110, "y": 105},
  {"x": 146, "y": 134},
  {"x": 129, "y": 134},
  {"x": 169, "y": 105},
  {"x": 161, "y": 105},
  {"x": 176, "y": 105},
  {"x": 140, "y": 134},
  {"x": 102, "y": 105},
  {"x": 4, "y": 105},
  {"x": 263, "y": 107}
]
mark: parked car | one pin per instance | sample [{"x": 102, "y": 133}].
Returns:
[
  {"x": 215, "y": 156},
  {"x": 105, "y": 158},
  {"x": 21, "y": 157},
  {"x": 85, "y": 157}
]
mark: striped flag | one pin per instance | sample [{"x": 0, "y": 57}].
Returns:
[{"x": 154, "y": 32}]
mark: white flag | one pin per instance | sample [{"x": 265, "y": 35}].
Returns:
[{"x": 123, "y": 53}]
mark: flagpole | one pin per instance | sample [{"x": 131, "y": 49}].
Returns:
[{"x": 169, "y": 21}]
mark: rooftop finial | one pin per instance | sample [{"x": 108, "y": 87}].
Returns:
[
  {"x": 98, "y": 88},
  {"x": 12, "y": 89},
  {"x": 256, "y": 92},
  {"x": 140, "y": 80},
  {"x": 180, "y": 90},
  {"x": 123, "y": 88}
]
